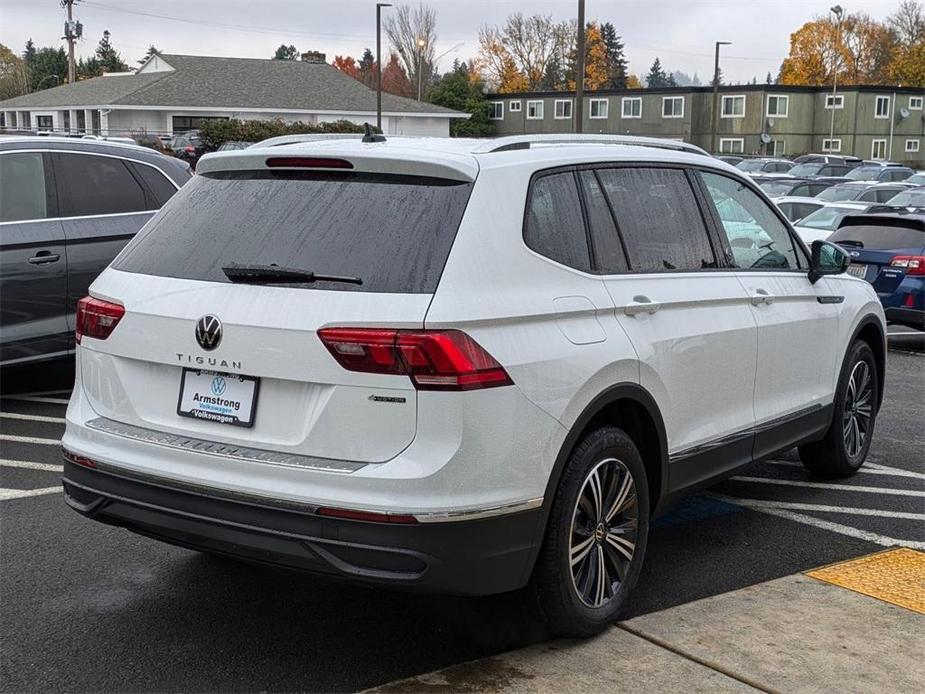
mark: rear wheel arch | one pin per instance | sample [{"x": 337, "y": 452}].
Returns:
[
  {"x": 631, "y": 408},
  {"x": 873, "y": 332}
]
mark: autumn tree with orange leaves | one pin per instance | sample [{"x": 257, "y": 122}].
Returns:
[{"x": 860, "y": 49}]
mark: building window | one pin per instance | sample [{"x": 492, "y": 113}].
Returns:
[
  {"x": 777, "y": 148},
  {"x": 599, "y": 108},
  {"x": 534, "y": 110},
  {"x": 878, "y": 149},
  {"x": 882, "y": 108},
  {"x": 183, "y": 123},
  {"x": 915, "y": 103},
  {"x": 778, "y": 106},
  {"x": 496, "y": 111},
  {"x": 632, "y": 106},
  {"x": 672, "y": 107},
  {"x": 732, "y": 145},
  {"x": 733, "y": 106},
  {"x": 834, "y": 101},
  {"x": 831, "y": 145},
  {"x": 514, "y": 106},
  {"x": 44, "y": 123},
  {"x": 912, "y": 145},
  {"x": 563, "y": 109}
]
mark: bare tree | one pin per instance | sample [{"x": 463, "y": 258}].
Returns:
[
  {"x": 412, "y": 32},
  {"x": 908, "y": 22},
  {"x": 532, "y": 41}
]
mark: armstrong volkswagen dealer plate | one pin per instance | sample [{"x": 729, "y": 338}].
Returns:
[{"x": 218, "y": 397}]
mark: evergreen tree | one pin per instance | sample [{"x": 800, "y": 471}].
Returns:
[
  {"x": 657, "y": 76},
  {"x": 285, "y": 52},
  {"x": 457, "y": 91},
  {"x": 108, "y": 57},
  {"x": 367, "y": 69},
  {"x": 616, "y": 60},
  {"x": 46, "y": 67},
  {"x": 769, "y": 79},
  {"x": 695, "y": 81},
  {"x": 554, "y": 75},
  {"x": 152, "y": 49},
  {"x": 718, "y": 78}
]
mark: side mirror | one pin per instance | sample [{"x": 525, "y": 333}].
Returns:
[{"x": 827, "y": 259}]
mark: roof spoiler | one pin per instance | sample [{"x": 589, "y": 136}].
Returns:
[{"x": 515, "y": 142}]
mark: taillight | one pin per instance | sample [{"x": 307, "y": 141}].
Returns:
[
  {"x": 78, "y": 459},
  {"x": 432, "y": 359},
  {"x": 913, "y": 264},
  {"x": 97, "y": 318},
  {"x": 189, "y": 150}
]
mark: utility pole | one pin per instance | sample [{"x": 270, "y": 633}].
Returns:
[
  {"x": 379, "y": 6},
  {"x": 72, "y": 31},
  {"x": 838, "y": 12},
  {"x": 580, "y": 70},
  {"x": 715, "y": 113}
]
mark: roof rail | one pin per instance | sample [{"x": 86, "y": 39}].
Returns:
[{"x": 513, "y": 142}]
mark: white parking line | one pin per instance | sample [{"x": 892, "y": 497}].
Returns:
[
  {"x": 868, "y": 468},
  {"x": 826, "y": 485},
  {"x": 36, "y": 398},
  {"x": 857, "y": 533},
  {"x": 30, "y": 439},
  {"x": 32, "y": 417},
  {"x": 795, "y": 506},
  {"x": 7, "y": 494},
  {"x": 29, "y": 465}
]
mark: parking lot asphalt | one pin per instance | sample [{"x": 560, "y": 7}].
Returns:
[{"x": 89, "y": 607}]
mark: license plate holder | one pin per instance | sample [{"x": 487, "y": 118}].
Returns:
[
  {"x": 857, "y": 270},
  {"x": 219, "y": 397}
]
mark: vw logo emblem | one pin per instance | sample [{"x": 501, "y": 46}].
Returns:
[
  {"x": 208, "y": 332},
  {"x": 218, "y": 385}
]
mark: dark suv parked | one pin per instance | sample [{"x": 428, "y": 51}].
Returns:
[{"x": 67, "y": 207}]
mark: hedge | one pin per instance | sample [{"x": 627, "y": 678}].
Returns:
[{"x": 215, "y": 133}]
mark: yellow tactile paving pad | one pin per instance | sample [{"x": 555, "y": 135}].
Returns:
[{"x": 895, "y": 576}]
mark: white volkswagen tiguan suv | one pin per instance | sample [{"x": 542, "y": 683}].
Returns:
[{"x": 461, "y": 366}]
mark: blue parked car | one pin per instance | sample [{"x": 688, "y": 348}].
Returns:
[{"x": 888, "y": 250}]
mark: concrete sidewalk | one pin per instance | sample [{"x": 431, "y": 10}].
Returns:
[{"x": 794, "y": 634}]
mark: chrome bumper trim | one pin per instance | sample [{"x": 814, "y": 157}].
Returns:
[
  {"x": 477, "y": 513},
  {"x": 224, "y": 450}
]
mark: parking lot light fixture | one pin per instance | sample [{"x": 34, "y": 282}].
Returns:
[
  {"x": 379, "y": 6},
  {"x": 421, "y": 44},
  {"x": 838, "y": 11}
]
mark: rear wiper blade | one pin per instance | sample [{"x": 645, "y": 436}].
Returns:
[{"x": 274, "y": 274}]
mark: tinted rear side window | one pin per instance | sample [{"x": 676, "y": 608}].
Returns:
[
  {"x": 659, "y": 219},
  {"x": 160, "y": 189},
  {"x": 393, "y": 232},
  {"x": 875, "y": 237},
  {"x": 23, "y": 195},
  {"x": 608, "y": 251},
  {"x": 554, "y": 226},
  {"x": 94, "y": 185}
]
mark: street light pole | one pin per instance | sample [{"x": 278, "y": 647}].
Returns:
[
  {"x": 837, "y": 11},
  {"x": 580, "y": 70},
  {"x": 379, "y": 6},
  {"x": 715, "y": 114},
  {"x": 421, "y": 44}
]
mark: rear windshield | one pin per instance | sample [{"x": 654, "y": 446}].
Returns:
[
  {"x": 778, "y": 187},
  {"x": 839, "y": 193},
  {"x": 808, "y": 169},
  {"x": 876, "y": 237},
  {"x": 393, "y": 232}
]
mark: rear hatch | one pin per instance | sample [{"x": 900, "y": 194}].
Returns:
[
  {"x": 390, "y": 232},
  {"x": 881, "y": 248}
]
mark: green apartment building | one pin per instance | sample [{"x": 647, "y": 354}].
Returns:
[{"x": 886, "y": 123}]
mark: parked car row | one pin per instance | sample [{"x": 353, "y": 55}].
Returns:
[{"x": 67, "y": 207}]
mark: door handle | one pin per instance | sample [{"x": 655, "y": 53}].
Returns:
[
  {"x": 44, "y": 257},
  {"x": 641, "y": 304},
  {"x": 762, "y": 296}
]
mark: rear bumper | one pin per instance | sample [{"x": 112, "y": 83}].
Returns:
[
  {"x": 476, "y": 557},
  {"x": 912, "y": 317}
]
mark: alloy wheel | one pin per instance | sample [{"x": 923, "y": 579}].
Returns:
[
  {"x": 859, "y": 401},
  {"x": 603, "y": 532}
]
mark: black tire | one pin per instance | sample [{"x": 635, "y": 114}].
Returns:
[
  {"x": 839, "y": 454},
  {"x": 567, "y": 612}
]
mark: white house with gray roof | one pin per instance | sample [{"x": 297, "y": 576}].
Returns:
[{"x": 173, "y": 93}]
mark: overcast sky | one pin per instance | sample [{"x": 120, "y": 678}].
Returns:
[{"x": 680, "y": 32}]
